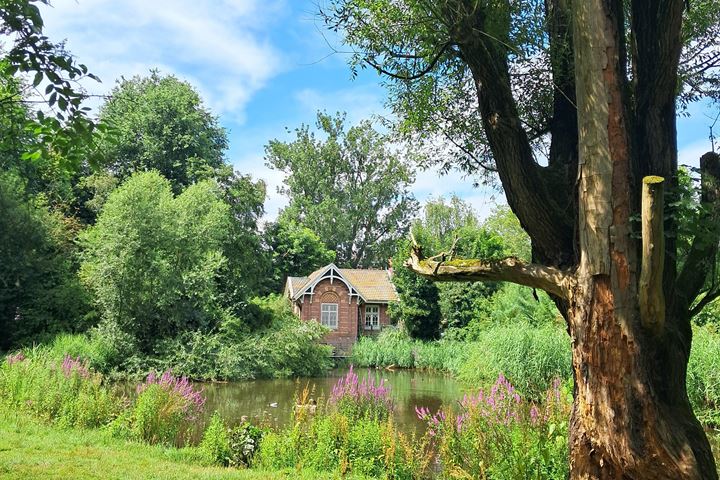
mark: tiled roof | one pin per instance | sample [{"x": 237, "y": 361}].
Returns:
[
  {"x": 296, "y": 283},
  {"x": 372, "y": 284}
]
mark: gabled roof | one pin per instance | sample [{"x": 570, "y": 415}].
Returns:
[{"x": 372, "y": 285}]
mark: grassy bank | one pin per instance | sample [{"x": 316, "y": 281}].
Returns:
[
  {"x": 529, "y": 356},
  {"x": 33, "y": 450}
]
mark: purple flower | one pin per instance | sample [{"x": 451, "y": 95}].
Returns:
[
  {"x": 15, "y": 358},
  {"x": 193, "y": 400},
  {"x": 534, "y": 415},
  {"x": 366, "y": 394},
  {"x": 72, "y": 365}
]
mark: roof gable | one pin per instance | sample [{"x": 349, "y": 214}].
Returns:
[{"x": 371, "y": 285}]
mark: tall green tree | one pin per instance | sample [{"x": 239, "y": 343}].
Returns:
[
  {"x": 593, "y": 87},
  {"x": 503, "y": 223},
  {"x": 295, "y": 251},
  {"x": 418, "y": 307},
  {"x": 349, "y": 188},
  {"x": 160, "y": 123},
  {"x": 452, "y": 226},
  {"x": 244, "y": 273},
  {"x": 40, "y": 294},
  {"x": 153, "y": 259}
]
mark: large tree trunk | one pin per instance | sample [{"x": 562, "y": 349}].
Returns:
[
  {"x": 631, "y": 416},
  {"x": 628, "y": 315}
]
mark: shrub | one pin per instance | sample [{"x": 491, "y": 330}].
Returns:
[
  {"x": 244, "y": 443},
  {"x": 277, "y": 451},
  {"x": 105, "y": 348},
  {"x": 162, "y": 413},
  {"x": 287, "y": 347},
  {"x": 68, "y": 393},
  {"x": 215, "y": 444}
]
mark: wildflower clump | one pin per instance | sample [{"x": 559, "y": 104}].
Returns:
[
  {"x": 496, "y": 434},
  {"x": 361, "y": 399},
  {"x": 67, "y": 392},
  {"x": 15, "y": 358},
  {"x": 163, "y": 411}
]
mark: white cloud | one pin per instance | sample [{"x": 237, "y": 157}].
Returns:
[{"x": 217, "y": 41}]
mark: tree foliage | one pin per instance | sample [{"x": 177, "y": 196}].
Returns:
[
  {"x": 295, "y": 251},
  {"x": 349, "y": 188},
  {"x": 39, "y": 292},
  {"x": 160, "y": 122},
  {"x": 61, "y": 130},
  {"x": 418, "y": 307},
  {"x": 152, "y": 259}
]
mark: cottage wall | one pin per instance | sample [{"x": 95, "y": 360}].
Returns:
[
  {"x": 337, "y": 292},
  {"x": 384, "y": 320}
]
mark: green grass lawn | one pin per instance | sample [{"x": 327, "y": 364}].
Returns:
[{"x": 29, "y": 450}]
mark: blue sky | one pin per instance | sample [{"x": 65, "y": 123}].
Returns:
[{"x": 262, "y": 66}]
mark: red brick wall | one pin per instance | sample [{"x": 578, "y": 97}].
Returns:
[
  {"x": 346, "y": 334},
  {"x": 384, "y": 320}
]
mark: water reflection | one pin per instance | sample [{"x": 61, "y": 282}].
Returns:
[{"x": 270, "y": 402}]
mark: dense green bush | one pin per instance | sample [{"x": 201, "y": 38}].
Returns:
[
  {"x": 287, "y": 347},
  {"x": 215, "y": 444}
]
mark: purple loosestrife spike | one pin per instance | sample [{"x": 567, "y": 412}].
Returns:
[{"x": 15, "y": 358}]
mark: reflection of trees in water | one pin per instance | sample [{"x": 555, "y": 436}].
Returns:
[{"x": 252, "y": 399}]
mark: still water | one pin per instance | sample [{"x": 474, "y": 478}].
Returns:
[{"x": 270, "y": 402}]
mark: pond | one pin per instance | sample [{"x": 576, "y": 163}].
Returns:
[{"x": 270, "y": 402}]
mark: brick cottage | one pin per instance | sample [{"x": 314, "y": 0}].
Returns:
[{"x": 350, "y": 302}]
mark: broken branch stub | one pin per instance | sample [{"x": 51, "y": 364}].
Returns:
[
  {"x": 651, "y": 295},
  {"x": 549, "y": 279}
]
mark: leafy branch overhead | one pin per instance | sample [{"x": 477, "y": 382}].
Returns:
[{"x": 51, "y": 79}]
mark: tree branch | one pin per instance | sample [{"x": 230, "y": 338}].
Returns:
[
  {"x": 398, "y": 76},
  {"x": 707, "y": 299},
  {"x": 703, "y": 250},
  {"x": 552, "y": 280}
]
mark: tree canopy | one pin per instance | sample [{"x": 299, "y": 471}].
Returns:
[
  {"x": 152, "y": 259},
  {"x": 349, "y": 187},
  {"x": 160, "y": 123}
]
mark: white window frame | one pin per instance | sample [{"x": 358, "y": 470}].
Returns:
[
  {"x": 373, "y": 316},
  {"x": 329, "y": 315}
]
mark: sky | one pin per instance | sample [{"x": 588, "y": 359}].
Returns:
[{"x": 262, "y": 66}]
